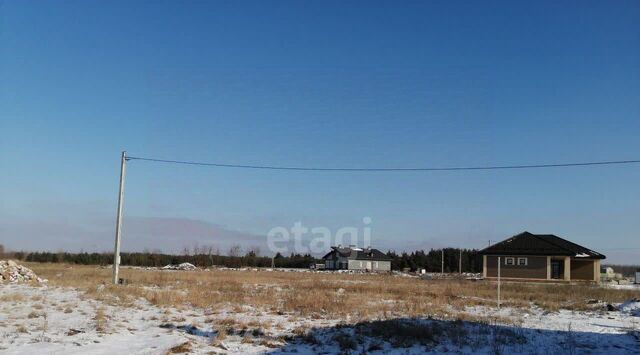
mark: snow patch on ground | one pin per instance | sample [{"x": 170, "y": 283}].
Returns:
[
  {"x": 52, "y": 320},
  {"x": 57, "y": 320},
  {"x": 631, "y": 307},
  {"x": 183, "y": 266}
]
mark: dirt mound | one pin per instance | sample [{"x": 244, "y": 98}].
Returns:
[{"x": 12, "y": 272}]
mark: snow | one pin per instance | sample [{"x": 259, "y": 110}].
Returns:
[
  {"x": 47, "y": 331},
  {"x": 183, "y": 266},
  {"x": 632, "y": 307},
  {"x": 62, "y": 321},
  {"x": 635, "y": 287}
]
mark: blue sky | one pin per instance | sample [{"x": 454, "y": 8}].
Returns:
[{"x": 327, "y": 84}]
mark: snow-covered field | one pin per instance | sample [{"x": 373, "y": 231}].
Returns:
[{"x": 49, "y": 319}]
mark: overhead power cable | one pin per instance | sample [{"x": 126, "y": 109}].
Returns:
[{"x": 407, "y": 169}]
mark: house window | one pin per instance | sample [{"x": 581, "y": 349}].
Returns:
[
  {"x": 509, "y": 261},
  {"x": 522, "y": 261}
]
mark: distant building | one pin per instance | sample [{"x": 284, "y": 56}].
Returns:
[
  {"x": 352, "y": 258},
  {"x": 530, "y": 256},
  {"x": 315, "y": 266}
]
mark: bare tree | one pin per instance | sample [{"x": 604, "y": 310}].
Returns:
[
  {"x": 186, "y": 251},
  {"x": 196, "y": 249},
  {"x": 209, "y": 251},
  {"x": 235, "y": 250},
  {"x": 255, "y": 250}
]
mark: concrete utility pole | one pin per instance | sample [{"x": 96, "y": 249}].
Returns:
[
  {"x": 498, "y": 282},
  {"x": 460, "y": 261},
  {"x": 442, "y": 266},
  {"x": 116, "y": 250}
]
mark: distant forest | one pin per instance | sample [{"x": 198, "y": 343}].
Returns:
[{"x": 430, "y": 260}]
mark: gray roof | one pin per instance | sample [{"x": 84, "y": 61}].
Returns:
[
  {"x": 540, "y": 244},
  {"x": 358, "y": 254}
]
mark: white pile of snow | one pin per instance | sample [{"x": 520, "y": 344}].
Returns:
[
  {"x": 632, "y": 307},
  {"x": 12, "y": 272},
  {"x": 183, "y": 266}
]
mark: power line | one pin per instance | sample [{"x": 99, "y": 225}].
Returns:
[{"x": 455, "y": 168}]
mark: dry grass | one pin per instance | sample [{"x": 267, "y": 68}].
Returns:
[
  {"x": 12, "y": 298},
  {"x": 100, "y": 320},
  {"x": 180, "y": 349},
  {"x": 22, "y": 329},
  {"x": 318, "y": 295},
  {"x": 221, "y": 334}
]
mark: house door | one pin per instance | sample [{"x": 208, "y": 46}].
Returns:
[{"x": 556, "y": 269}]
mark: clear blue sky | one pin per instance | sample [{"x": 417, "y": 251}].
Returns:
[{"x": 325, "y": 83}]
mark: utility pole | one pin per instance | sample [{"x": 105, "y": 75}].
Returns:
[
  {"x": 460, "y": 262},
  {"x": 442, "y": 266},
  {"x": 499, "y": 282},
  {"x": 116, "y": 250}
]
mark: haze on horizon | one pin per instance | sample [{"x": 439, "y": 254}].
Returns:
[{"x": 326, "y": 84}]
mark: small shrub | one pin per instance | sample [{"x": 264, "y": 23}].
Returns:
[
  {"x": 345, "y": 341},
  {"x": 180, "y": 349}
]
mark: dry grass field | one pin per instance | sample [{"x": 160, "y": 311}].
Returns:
[
  {"x": 347, "y": 297},
  {"x": 266, "y": 311}
]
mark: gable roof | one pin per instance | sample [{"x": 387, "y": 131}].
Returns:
[
  {"x": 358, "y": 254},
  {"x": 540, "y": 244}
]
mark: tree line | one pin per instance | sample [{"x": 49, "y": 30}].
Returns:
[
  {"x": 430, "y": 260},
  {"x": 250, "y": 259}
]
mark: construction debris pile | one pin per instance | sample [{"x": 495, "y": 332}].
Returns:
[
  {"x": 183, "y": 266},
  {"x": 12, "y": 272}
]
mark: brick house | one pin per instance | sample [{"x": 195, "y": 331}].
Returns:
[{"x": 528, "y": 256}]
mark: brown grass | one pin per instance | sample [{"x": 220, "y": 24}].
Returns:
[
  {"x": 12, "y": 297},
  {"x": 319, "y": 295},
  {"x": 180, "y": 349},
  {"x": 221, "y": 334},
  {"x": 100, "y": 320}
]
